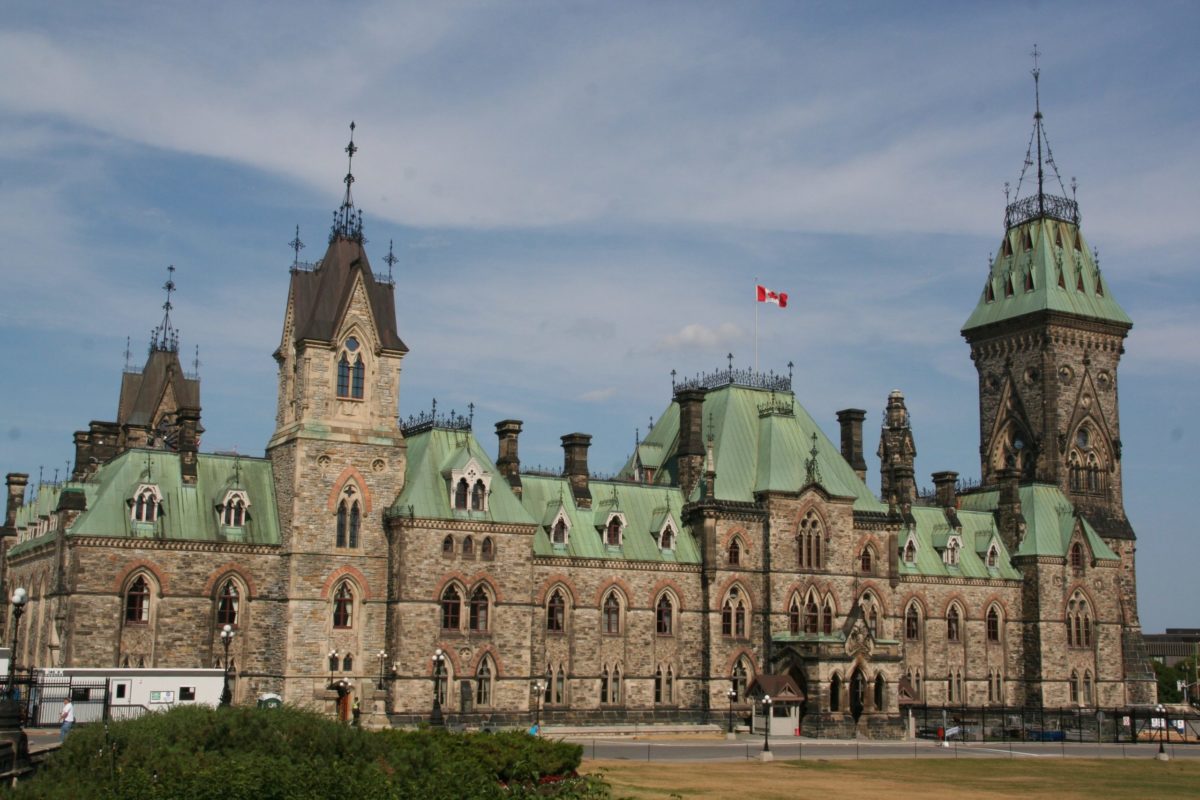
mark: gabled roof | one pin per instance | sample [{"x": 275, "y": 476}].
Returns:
[
  {"x": 1053, "y": 256},
  {"x": 142, "y": 392},
  {"x": 1049, "y": 521},
  {"x": 761, "y": 442},
  {"x": 645, "y": 508},
  {"x": 320, "y": 297},
  {"x": 431, "y": 454},
  {"x": 931, "y": 531},
  {"x": 189, "y": 511}
]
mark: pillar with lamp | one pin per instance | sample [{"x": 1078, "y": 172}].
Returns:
[
  {"x": 731, "y": 695},
  {"x": 382, "y": 656},
  {"x": 14, "y": 744},
  {"x": 227, "y": 634},
  {"x": 439, "y": 662},
  {"x": 766, "y": 706},
  {"x": 539, "y": 689}
]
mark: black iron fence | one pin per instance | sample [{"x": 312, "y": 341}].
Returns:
[
  {"x": 1070, "y": 724},
  {"x": 42, "y": 696}
]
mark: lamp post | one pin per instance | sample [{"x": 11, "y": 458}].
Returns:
[
  {"x": 227, "y": 634},
  {"x": 19, "y": 598},
  {"x": 382, "y": 657},
  {"x": 539, "y": 690},
  {"x": 731, "y": 695},
  {"x": 766, "y": 703},
  {"x": 1162, "y": 721},
  {"x": 439, "y": 660}
]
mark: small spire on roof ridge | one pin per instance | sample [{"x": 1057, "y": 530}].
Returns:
[
  {"x": 127, "y": 354},
  {"x": 347, "y": 221},
  {"x": 390, "y": 259},
  {"x": 296, "y": 246},
  {"x": 165, "y": 336},
  {"x": 196, "y": 364}
]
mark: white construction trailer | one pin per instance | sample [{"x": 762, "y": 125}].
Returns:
[{"x": 115, "y": 693}]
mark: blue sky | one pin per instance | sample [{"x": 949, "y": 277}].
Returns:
[{"x": 581, "y": 197}]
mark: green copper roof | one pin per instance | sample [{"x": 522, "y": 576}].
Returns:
[
  {"x": 432, "y": 454},
  {"x": 1049, "y": 521},
  {"x": 646, "y": 509},
  {"x": 761, "y": 442},
  {"x": 932, "y": 532},
  {"x": 1045, "y": 265},
  {"x": 188, "y": 512}
]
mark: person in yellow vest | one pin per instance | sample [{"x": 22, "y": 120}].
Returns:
[{"x": 355, "y": 710}]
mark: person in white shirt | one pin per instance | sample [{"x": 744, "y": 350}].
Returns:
[{"x": 67, "y": 718}]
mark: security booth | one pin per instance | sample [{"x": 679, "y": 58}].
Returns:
[{"x": 783, "y": 708}]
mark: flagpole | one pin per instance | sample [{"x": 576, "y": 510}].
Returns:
[{"x": 756, "y": 304}]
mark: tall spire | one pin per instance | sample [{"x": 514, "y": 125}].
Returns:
[
  {"x": 347, "y": 221},
  {"x": 165, "y": 336},
  {"x": 1041, "y": 204}
]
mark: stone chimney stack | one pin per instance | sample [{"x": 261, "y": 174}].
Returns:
[
  {"x": 1009, "y": 518},
  {"x": 189, "y": 443},
  {"x": 16, "y": 481},
  {"x": 897, "y": 454},
  {"x": 575, "y": 466},
  {"x": 691, "y": 438},
  {"x": 944, "y": 488},
  {"x": 851, "y": 420},
  {"x": 507, "y": 460}
]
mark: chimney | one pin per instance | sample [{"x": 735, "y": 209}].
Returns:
[
  {"x": 1009, "y": 518},
  {"x": 16, "y": 481},
  {"x": 575, "y": 447},
  {"x": 851, "y": 420},
  {"x": 944, "y": 484},
  {"x": 507, "y": 460},
  {"x": 189, "y": 441},
  {"x": 691, "y": 438}
]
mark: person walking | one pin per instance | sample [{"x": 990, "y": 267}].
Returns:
[
  {"x": 67, "y": 718},
  {"x": 356, "y": 710}
]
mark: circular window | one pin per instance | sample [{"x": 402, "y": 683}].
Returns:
[
  {"x": 1018, "y": 442},
  {"x": 1065, "y": 374},
  {"x": 1083, "y": 438},
  {"x": 352, "y": 344}
]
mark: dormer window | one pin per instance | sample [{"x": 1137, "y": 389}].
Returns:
[
  {"x": 614, "y": 529},
  {"x": 910, "y": 552},
  {"x": 146, "y": 505},
  {"x": 470, "y": 487},
  {"x": 952, "y": 549},
  {"x": 993, "y": 556},
  {"x": 233, "y": 510},
  {"x": 351, "y": 371},
  {"x": 560, "y": 529},
  {"x": 666, "y": 538}
]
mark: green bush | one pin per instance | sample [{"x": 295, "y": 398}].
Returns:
[{"x": 198, "y": 753}]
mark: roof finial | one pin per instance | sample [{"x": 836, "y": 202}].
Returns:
[
  {"x": 196, "y": 363},
  {"x": 1042, "y": 204},
  {"x": 296, "y": 246},
  {"x": 165, "y": 337},
  {"x": 127, "y": 354},
  {"x": 347, "y": 222},
  {"x": 390, "y": 259},
  {"x": 1037, "y": 122}
]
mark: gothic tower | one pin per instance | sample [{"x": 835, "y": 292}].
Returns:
[
  {"x": 338, "y": 457},
  {"x": 1047, "y": 337}
]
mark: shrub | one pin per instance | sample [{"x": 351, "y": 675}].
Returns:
[{"x": 198, "y": 753}]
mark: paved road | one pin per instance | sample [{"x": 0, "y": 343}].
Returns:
[{"x": 746, "y": 747}]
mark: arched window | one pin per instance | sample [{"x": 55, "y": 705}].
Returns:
[
  {"x": 952, "y": 548},
  {"x": 866, "y": 561},
  {"x": 1074, "y": 686},
  {"x": 993, "y": 625},
  {"x": 993, "y": 556},
  {"x": 560, "y": 532},
  {"x": 478, "y": 620},
  {"x": 794, "y": 616},
  {"x": 1077, "y": 556},
  {"x": 343, "y": 606},
  {"x": 343, "y": 380},
  {"x": 234, "y": 513},
  {"x": 664, "y": 616},
  {"x": 560, "y": 685},
  {"x": 350, "y": 378},
  {"x": 952, "y": 625},
  {"x": 610, "y": 685},
  {"x": 451, "y": 609},
  {"x": 1087, "y": 688},
  {"x": 137, "y": 601},
  {"x": 658, "y": 684},
  {"x": 468, "y": 547},
  {"x": 145, "y": 505},
  {"x": 870, "y": 611},
  {"x": 613, "y": 532},
  {"x": 880, "y": 686},
  {"x": 912, "y": 623},
  {"x": 488, "y": 549},
  {"x": 477, "y": 495},
  {"x": 735, "y": 553},
  {"x": 827, "y": 618},
  {"x": 917, "y": 684},
  {"x": 334, "y": 664},
  {"x": 355, "y": 521},
  {"x": 448, "y": 546},
  {"x": 612, "y": 613},
  {"x": 347, "y": 662},
  {"x": 461, "y": 490},
  {"x": 341, "y": 524},
  {"x": 1079, "y": 621},
  {"x": 227, "y": 604},
  {"x": 835, "y": 693},
  {"x": 483, "y": 682},
  {"x": 808, "y": 541},
  {"x": 812, "y": 620},
  {"x": 556, "y": 612},
  {"x": 910, "y": 552},
  {"x": 740, "y": 679},
  {"x": 733, "y": 615},
  {"x": 666, "y": 540}
]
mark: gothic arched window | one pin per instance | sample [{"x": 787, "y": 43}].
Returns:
[
  {"x": 351, "y": 372},
  {"x": 461, "y": 492},
  {"x": 664, "y": 616},
  {"x": 477, "y": 496},
  {"x": 451, "y": 609},
  {"x": 812, "y": 620},
  {"x": 488, "y": 549},
  {"x": 952, "y": 624},
  {"x": 613, "y": 532},
  {"x": 478, "y": 618},
  {"x": 483, "y": 682},
  {"x": 740, "y": 680},
  {"x": 227, "y": 604},
  {"x": 137, "y": 601},
  {"x": 866, "y": 561},
  {"x": 912, "y": 623},
  {"x": 559, "y": 535},
  {"x": 827, "y": 618},
  {"x": 612, "y": 613},
  {"x": 556, "y": 612},
  {"x": 343, "y": 606},
  {"x": 794, "y": 616},
  {"x": 993, "y": 625},
  {"x": 734, "y": 557}
]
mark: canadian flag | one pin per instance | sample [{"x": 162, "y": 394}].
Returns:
[{"x": 765, "y": 295}]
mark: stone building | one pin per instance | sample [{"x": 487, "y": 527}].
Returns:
[{"x": 395, "y": 562}]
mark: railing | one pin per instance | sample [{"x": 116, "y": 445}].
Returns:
[
  {"x": 1041, "y": 205},
  {"x": 749, "y": 378}
]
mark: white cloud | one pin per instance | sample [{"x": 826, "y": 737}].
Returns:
[{"x": 701, "y": 337}]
